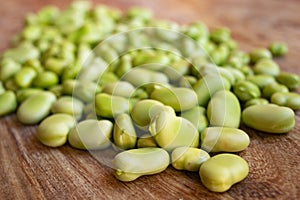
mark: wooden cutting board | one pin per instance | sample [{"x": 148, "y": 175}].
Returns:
[{"x": 29, "y": 170}]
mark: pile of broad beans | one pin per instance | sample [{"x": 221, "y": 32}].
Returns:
[{"x": 156, "y": 91}]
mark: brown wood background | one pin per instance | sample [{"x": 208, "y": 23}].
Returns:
[{"x": 29, "y": 170}]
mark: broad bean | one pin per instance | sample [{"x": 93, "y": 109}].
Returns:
[
  {"x": 68, "y": 105},
  {"x": 269, "y": 118},
  {"x": 109, "y": 106},
  {"x": 144, "y": 111},
  {"x": 188, "y": 158},
  {"x": 290, "y": 80},
  {"x": 131, "y": 164},
  {"x": 171, "y": 131},
  {"x": 35, "y": 108},
  {"x": 224, "y": 109},
  {"x": 146, "y": 140},
  {"x": 222, "y": 171},
  {"x": 8, "y": 103},
  {"x": 180, "y": 99},
  {"x": 91, "y": 134},
  {"x": 124, "y": 133},
  {"x": 288, "y": 99},
  {"x": 53, "y": 130},
  {"x": 224, "y": 139}
]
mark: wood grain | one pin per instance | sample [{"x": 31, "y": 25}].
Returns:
[{"x": 29, "y": 170}]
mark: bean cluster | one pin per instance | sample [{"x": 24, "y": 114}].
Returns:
[{"x": 155, "y": 90}]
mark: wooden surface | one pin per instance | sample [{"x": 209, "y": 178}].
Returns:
[{"x": 29, "y": 170}]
